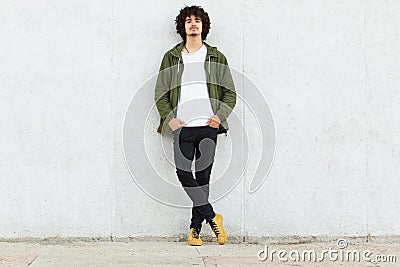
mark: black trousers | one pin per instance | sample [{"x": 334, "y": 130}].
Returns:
[{"x": 200, "y": 142}]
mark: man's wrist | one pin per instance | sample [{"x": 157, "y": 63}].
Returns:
[
  {"x": 169, "y": 118},
  {"x": 220, "y": 116}
]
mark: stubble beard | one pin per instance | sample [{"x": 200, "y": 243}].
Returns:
[{"x": 194, "y": 34}]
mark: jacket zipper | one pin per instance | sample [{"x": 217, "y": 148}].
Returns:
[{"x": 209, "y": 74}]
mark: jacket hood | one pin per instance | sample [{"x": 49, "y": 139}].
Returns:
[{"x": 176, "y": 50}]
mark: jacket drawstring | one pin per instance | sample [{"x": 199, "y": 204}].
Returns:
[
  {"x": 209, "y": 64},
  {"x": 179, "y": 62}
]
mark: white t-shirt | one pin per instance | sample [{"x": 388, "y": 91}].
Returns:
[{"x": 194, "y": 106}]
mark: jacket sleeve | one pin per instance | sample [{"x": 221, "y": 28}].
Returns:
[
  {"x": 162, "y": 90},
  {"x": 228, "y": 97}
]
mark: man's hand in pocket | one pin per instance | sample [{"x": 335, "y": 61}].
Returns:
[
  {"x": 175, "y": 123},
  {"x": 214, "y": 121}
]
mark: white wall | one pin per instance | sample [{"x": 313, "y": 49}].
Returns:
[{"x": 329, "y": 70}]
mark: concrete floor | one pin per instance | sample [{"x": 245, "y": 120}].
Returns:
[{"x": 163, "y": 253}]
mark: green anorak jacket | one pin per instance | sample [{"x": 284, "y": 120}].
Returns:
[{"x": 220, "y": 85}]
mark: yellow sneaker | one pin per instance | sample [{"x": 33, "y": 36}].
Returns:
[
  {"x": 194, "y": 237},
  {"x": 218, "y": 228}
]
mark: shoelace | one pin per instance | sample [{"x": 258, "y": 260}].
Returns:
[
  {"x": 196, "y": 233},
  {"x": 214, "y": 227}
]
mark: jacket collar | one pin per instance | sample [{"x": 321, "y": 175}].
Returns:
[{"x": 177, "y": 49}]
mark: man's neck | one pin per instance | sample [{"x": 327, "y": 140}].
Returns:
[{"x": 193, "y": 43}]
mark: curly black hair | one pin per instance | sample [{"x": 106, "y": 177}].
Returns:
[{"x": 197, "y": 11}]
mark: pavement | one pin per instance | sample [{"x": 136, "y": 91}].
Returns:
[{"x": 178, "y": 253}]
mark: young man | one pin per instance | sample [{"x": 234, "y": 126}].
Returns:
[{"x": 194, "y": 95}]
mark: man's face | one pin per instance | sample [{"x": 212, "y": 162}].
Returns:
[{"x": 193, "y": 25}]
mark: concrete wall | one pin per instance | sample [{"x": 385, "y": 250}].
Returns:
[{"x": 329, "y": 70}]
